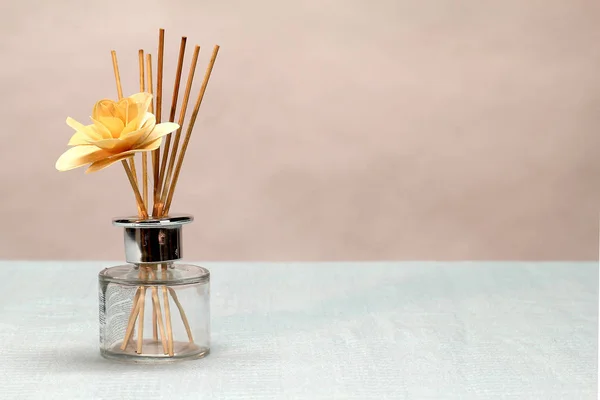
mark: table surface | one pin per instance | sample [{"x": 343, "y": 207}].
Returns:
[{"x": 394, "y": 330}]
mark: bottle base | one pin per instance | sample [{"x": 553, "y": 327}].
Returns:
[{"x": 153, "y": 352}]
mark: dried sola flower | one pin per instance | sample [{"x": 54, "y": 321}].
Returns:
[{"x": 119, "y": 130}]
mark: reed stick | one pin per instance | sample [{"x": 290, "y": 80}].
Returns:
[
  {"x": 159, "y": 85},
  {"x": 136, "y": 191},
  {"x": 132, "y": 317},
  {"x": 154, "y": 166},
  {"x": 143, "y": 213},
  {"x": 161, "y": 326},
  {"x": 149, "y": 87},
  {"x": 178, "y": 72},
  {"x": 144, "y": 154},
  {"x": 154, "y": 323},
  {"x": 167, "y": 314},
  {"x": 182, "y": 313},
  {"x": 113, "y": 53},
  {"x": 141, "y": 306},
  {"x": 132, "y": 180},
  {"x": 141, "y": 67},
  {"x": 133, "y": 170},
  {"x": 167, "y": 140},
  {"x": 186, "y": 98},
  {"x": 170, "y": 346},
  {"x": 188, "y": 133}
]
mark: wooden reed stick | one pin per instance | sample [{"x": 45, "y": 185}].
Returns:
[
  {"x": 168, "y": 320},
  {"x": 182, "y": 313},
  {"x": 154, "y": 324},
  {"x": 141, "y": 67},
  {"x": 149, "y": 88},
  {"x": 133, "y": 170},
  {"x": 159, "y": 84},
  {"x": 136, "y": 191},
  {"x": 132, "y": 180},
  {"x": 141, "y": 307},
  {"x": 132, "y": 317},
  {"x": 145, "y": 178},
  {"x": 161, "y": 326},
  {"x": 167, "y": 140},
  {"x": 113, "y": 53},
  {"x": 186, "y": 97},
  {"x": 144, "y": 154},
  {"x": 190, "y": 128},
  {"x": 167, "y": 314},
  {"x": 177, "y": 78}
]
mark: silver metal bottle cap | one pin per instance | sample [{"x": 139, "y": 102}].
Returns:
[{"x": 154, "y": 240}]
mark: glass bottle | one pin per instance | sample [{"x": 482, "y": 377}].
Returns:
[{"x": 153, "y": 309}]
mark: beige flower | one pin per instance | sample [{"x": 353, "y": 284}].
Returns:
[{"x": 119, "y": 130}]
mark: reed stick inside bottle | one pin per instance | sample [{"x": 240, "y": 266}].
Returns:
[
  {"x": 161, "y": 325},
  {"x": 132, "y": 318},
  {"x": 167, "y": 313},
  {"x": 150, "y": 89},
  {"x": 141, "y": 306}
]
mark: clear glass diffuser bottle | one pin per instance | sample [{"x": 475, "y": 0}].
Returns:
[{"x": 153, "y": 309}]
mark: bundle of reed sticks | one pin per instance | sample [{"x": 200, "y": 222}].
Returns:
[
  {"x": 166, "y": 164},
  {"x": 165, "y": 169}
]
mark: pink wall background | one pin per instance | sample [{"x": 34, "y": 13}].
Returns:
[{"x": 331, "y": 129}]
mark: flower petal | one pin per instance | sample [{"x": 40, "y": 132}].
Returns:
[
  {"x": 101, "y": 130},
  {"x": 104, "y": 108},
  {"x": 132, "y": 112},
  {"x": 142, "y": 133},
  {"x": 79, "y": 138},
  {"x": 108, "y": 144},
  {"x": 151, "y": 145},
  {"x": 101, "y": 164},
  {"x": 84, "y": 129},
  {"x": 148, "y": 119},
  {"x": 78, "y": 126},
  {"x": 133, "y": 125},
  {"x": 78, "y": 156},
  {"x": 161, "y": 130},
  {"x": 143, "y": 100},
  {"x": 141, "y": 136},
  {"x": 113, "y": 124},
  {"x": 119, "y": 110}
]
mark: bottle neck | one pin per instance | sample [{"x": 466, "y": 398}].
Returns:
[
  {"x": 153, "y": 240},
  {"x": 154, "y": 271},
  {"x": 153, "y": 245}
]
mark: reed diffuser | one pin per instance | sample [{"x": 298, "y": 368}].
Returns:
[{"x": 151, "y": 309}]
